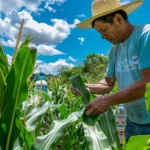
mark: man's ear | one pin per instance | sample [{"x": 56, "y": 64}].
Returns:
[{"x": 118, "y": 19}]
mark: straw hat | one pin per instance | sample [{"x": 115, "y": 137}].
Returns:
[{"x": 103, "y": 7}]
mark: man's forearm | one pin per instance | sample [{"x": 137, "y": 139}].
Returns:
[
  {"x": 132, "y": 93},
  {"x": 99, "y": 88}
]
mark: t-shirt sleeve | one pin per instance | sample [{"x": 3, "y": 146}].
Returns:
[
  {"x": 144, "y": 56},
  {"x": 110, "y": 71}
]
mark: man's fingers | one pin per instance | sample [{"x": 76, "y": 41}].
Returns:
[
  {"x": 88, "y": 106},
  {"x": 89, "y": 111},
  {"x": 74, "y": 91}
]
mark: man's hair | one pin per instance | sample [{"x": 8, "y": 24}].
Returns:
[{"x": 109, "y": 18}]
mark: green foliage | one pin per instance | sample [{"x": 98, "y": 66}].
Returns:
[
  {"x": 15, "y": 91},
  {"x": 3, "y": 62},
  {"x": 66, "y": 72},
  {"x": 107, "y": 122},
  {"x": 140, "y": 142},
  {"x": 57, "y": 128},
  {"x": 79, "y": 86},
  {"x": 91, "y": 125},
  {"x": 92, "y": 70},
  {"x": 55, "y": 120},
  {"x": 94, "y": 67},
  {"x": 2, "y": 90},
  {"x": 96, "y": 139},
  {"x": 66, "y": 126},
  {"x": 147, "y": 97}
]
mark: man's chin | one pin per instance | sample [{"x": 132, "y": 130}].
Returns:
[{"x": 114, "y": 43}]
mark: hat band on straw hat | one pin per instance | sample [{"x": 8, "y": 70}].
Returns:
[{"x": 104, "y": 7}]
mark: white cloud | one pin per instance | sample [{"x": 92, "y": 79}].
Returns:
[
  {"x": 46, "y": 36},
  {"x": 76, "y": 21},
  {"x": 48, "y": 50},
  {"x": 81, "y": 16},
  {"x": 9, "y": 58},
  {"x": 101, "y": 54},
  {"x": 39, "y": 62},
  {"x": 81, "y": 39},
  {"x": 72, "y": 59},
  {"x": 52, "y": 68},
  {"x": 49, "y": 8},
  {"x": 43, "y": 33},
  {"x": 8, "y": 43},
  {"x": 47, "y": 68},
  {"x": 11, "y": 5},
  {"x": 8, "y": 6},
  {"x": 58, "y": 2}
]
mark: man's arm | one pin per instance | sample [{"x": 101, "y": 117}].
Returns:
[
  {"x": 102, "y": 87},
  {"x": 132, "y": 93}
]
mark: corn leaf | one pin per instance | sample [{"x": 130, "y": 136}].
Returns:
[
  {"x": 2, "y": 90},
  {"x": 26, "y": 136},
  {"x": 147, "y": 97},
  {"x": 3, "y": 62},
  {"x": 18, "y": 144},
  {"x": 16, "y": 93},
  {"x": 79, "y": 86},
  {"x": 35, "y": 115},
  {"x": 93, "y": 133},
  {"x": 96, "y": 139},
  {"x": 139, "y": 142},
  {"x": 26, "y": 42},
  {"x": 57, "y": 128},
  {"x": 108, "y": 125}
]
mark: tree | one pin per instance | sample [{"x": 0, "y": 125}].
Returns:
[{"x": 94, "y": 66}]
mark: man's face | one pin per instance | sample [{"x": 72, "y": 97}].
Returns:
[{"x": 110, "y": 32}]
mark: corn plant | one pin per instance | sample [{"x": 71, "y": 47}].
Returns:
[
  {"x": 141, "y": 142},
  {"x": 74, "y": 130},
  {"x": 147, "y": 97},
  {"x": 14, "y": 90}
]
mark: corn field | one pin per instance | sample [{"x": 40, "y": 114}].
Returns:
[{"x": 52, "y": 120}]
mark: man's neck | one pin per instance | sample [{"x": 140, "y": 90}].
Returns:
[{"x": 128, "y": 31}]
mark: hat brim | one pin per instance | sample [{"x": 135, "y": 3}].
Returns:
[{"x": 128, "y": 8}]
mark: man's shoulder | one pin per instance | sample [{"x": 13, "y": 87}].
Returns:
[
  {"x": 113, "y": 50},
  {"x": 142, "y": 29}
]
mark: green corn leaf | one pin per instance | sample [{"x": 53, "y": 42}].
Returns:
[
  {"x": 33, "y": 54},
  {"x": 18, "y": 144},
  {"x": 139, "y": 142},
  {"x": 3, "y": 62},
  {"x": 46, "y": 96},
  {"x": 95, "y": 137},
  {"x": 108, "y": 125},
  {"x": 79, "y": 86},
  {"x": 2, "y": 136},
  {"x": 17, "y": 92},
  {"x": 2, "y": 90},
  {"x": 27, "y": 138},
  {"x": 26, "y": 42},
  {"x": 35, "y": 115},
  {"x": 57, "y": 128},
  {"x": 63, "y": 111},
  {"x": 147, "y": 97}
]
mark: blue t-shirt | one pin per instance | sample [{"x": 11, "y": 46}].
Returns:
[{"x": 125, "y": 62}]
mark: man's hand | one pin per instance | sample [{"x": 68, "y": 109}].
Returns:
[
  {"x": 97, "y": 106},
  {"x": 74, "y": 91}
]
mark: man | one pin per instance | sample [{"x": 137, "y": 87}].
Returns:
[{"x": 128, "y": 63}]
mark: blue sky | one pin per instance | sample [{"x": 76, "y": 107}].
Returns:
[{"x": 53, "y": 24}]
